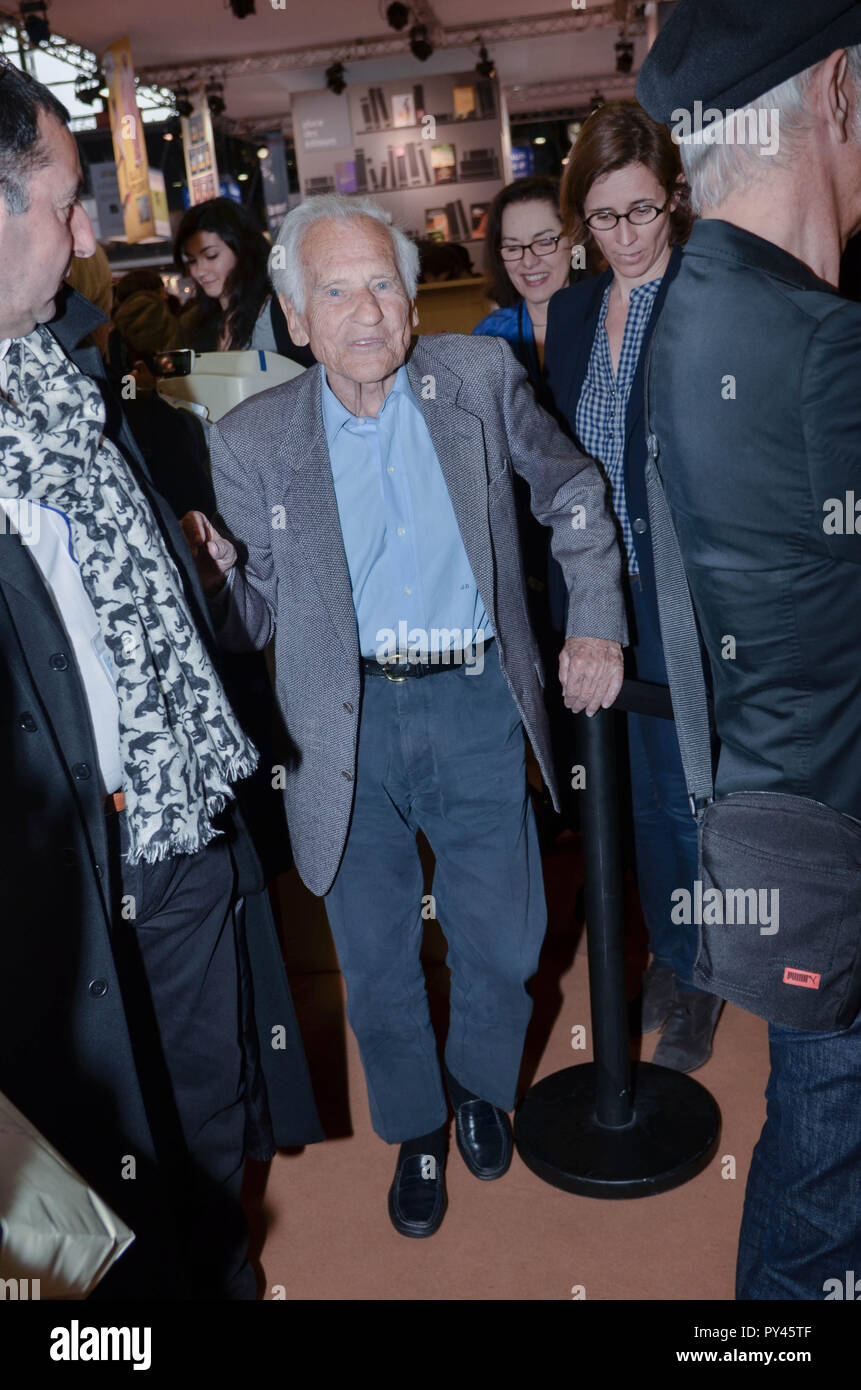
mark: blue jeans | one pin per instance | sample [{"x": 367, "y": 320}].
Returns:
[
  {"x": 444, "y": 754},
  {"x": 802, "y": 1210},
  {"x": 665, "y": 832}
]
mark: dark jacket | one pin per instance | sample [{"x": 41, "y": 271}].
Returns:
[
  {"x": 67, "y": 1058},
  {"x": 755, "y": 404},
  {"x": 572, "y": 322}
]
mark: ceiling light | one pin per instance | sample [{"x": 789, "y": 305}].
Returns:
[
  {"x": 335, "y": 80},
  {"x": 263, "y": 152},
  {"x": 397, "y": 16},
  {"x": 624, "y": 55},
  {"x": 420, "y": 45},
  {"x": 88, "y": 87},
  {"x": 182, "y": 103},
  {"x": 485, "y": 66},
  {"x": 36, "y": 22},
  {"x": 540, "y": 140},
  {"x": 215, "y": 97}
]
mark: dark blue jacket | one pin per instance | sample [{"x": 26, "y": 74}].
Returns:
[
  {"x": 572, "y": 322},
  {"x": 755, "y": 392}
]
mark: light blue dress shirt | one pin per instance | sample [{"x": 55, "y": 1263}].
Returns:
[{"x": 411, "y": 579}]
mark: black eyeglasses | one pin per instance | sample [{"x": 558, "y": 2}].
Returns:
[
  {"x": 544, "y": 246},
  {"x": 639, "y": 216}
]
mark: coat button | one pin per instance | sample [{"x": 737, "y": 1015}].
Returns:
[
  {"x": 640, "y": 525},
  {"x": 81, "y": 771},
  {"x": 348, "y": 775},
  {"x": 59, "y": 662},
  {"x": 98, "y": 988},
  {"x": 27, "y": 722},
  {"x": 348, "y": 707}
]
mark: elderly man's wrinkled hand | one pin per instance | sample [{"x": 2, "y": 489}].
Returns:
[
  {"x": 213, "y": 555},
  {"x": 591, "y": 672}
]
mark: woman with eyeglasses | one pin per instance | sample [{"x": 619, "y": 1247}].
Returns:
[
  {"x": 528, "y": 260},
  {"x": 623, "y": 193}
]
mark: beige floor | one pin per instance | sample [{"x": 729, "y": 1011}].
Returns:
[{"x": 319, "y": 1219}]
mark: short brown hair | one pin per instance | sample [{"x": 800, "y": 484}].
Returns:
[{"x": 617, "y": 134}]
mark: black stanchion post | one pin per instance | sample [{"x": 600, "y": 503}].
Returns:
[
  {"x": 609, "y": 1128},
  {"x": 596, "y": 751}
]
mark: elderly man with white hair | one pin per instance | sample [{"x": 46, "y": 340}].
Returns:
[{"x": 373, "y": 497}]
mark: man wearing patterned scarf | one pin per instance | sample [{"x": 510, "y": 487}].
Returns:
[{"x": 126, "y": 1027}]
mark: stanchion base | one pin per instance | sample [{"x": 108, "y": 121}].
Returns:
[{"x": 673, "y": 1135}]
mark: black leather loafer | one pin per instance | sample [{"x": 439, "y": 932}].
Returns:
[
  {"x": 417, "y": 1196},
  {"x": 484, "y": 1138}
]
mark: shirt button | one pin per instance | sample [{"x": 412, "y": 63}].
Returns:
[
  {"x": 407, "y": 589},
  {"x": 348, "y": 707},
  {"x": 389, "y": 468},
  {"x": 27, "y": 722},
  {"x": 348, "y": 775},
  {"x": 98, "y": 988},
  {"x": 59, "y": 662},
  {"x": 640, "y": 526},
  {"x": 402, "y": 530},
  {"x": 81, "y": 771}
]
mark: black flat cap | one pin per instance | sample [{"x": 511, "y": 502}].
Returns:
[{"x": 726, "y": 53}]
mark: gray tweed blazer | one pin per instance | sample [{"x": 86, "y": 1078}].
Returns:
[{"x": 273, "y": 483}]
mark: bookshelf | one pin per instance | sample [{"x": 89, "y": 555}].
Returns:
[{"x": 432, "y": 152}]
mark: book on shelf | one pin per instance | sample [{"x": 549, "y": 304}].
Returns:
[
  {"x": 383, "y": 107},
  {"x": 436, "y": 224},
  {"x": 464, "y": 103},
  {"x": 345, "y": 176},
  {"x": 478, "y": 217},
  {"x": 403, "y": 109},
  {"x": 443, "y": 163}
]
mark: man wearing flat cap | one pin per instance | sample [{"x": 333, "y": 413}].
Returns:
[{"x": 756, "y": 406}]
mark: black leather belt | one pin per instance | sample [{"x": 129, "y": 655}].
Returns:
[{"x": 397, "y": 670}]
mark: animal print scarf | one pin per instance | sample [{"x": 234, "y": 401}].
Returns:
[{"x": 180, "y": 743}]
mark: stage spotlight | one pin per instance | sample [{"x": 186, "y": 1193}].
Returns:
[
  {"x": 335, "y": 80},
  {"x": 36, "y": 22},
  {"x": 89, "y": 87},
  {"x": 180, "y": 100},
  {"x": 420, "y": 45},
  {"x": 624, "y": 55},
  {"x": 397, "y": 16},
  {"x": 215, "y": 98},
  {"x": 485, "y": 67}
]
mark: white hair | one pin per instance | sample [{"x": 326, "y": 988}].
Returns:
[
  {"x": 714, "y": 171},
  {"x": 286, "y": 267}
]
